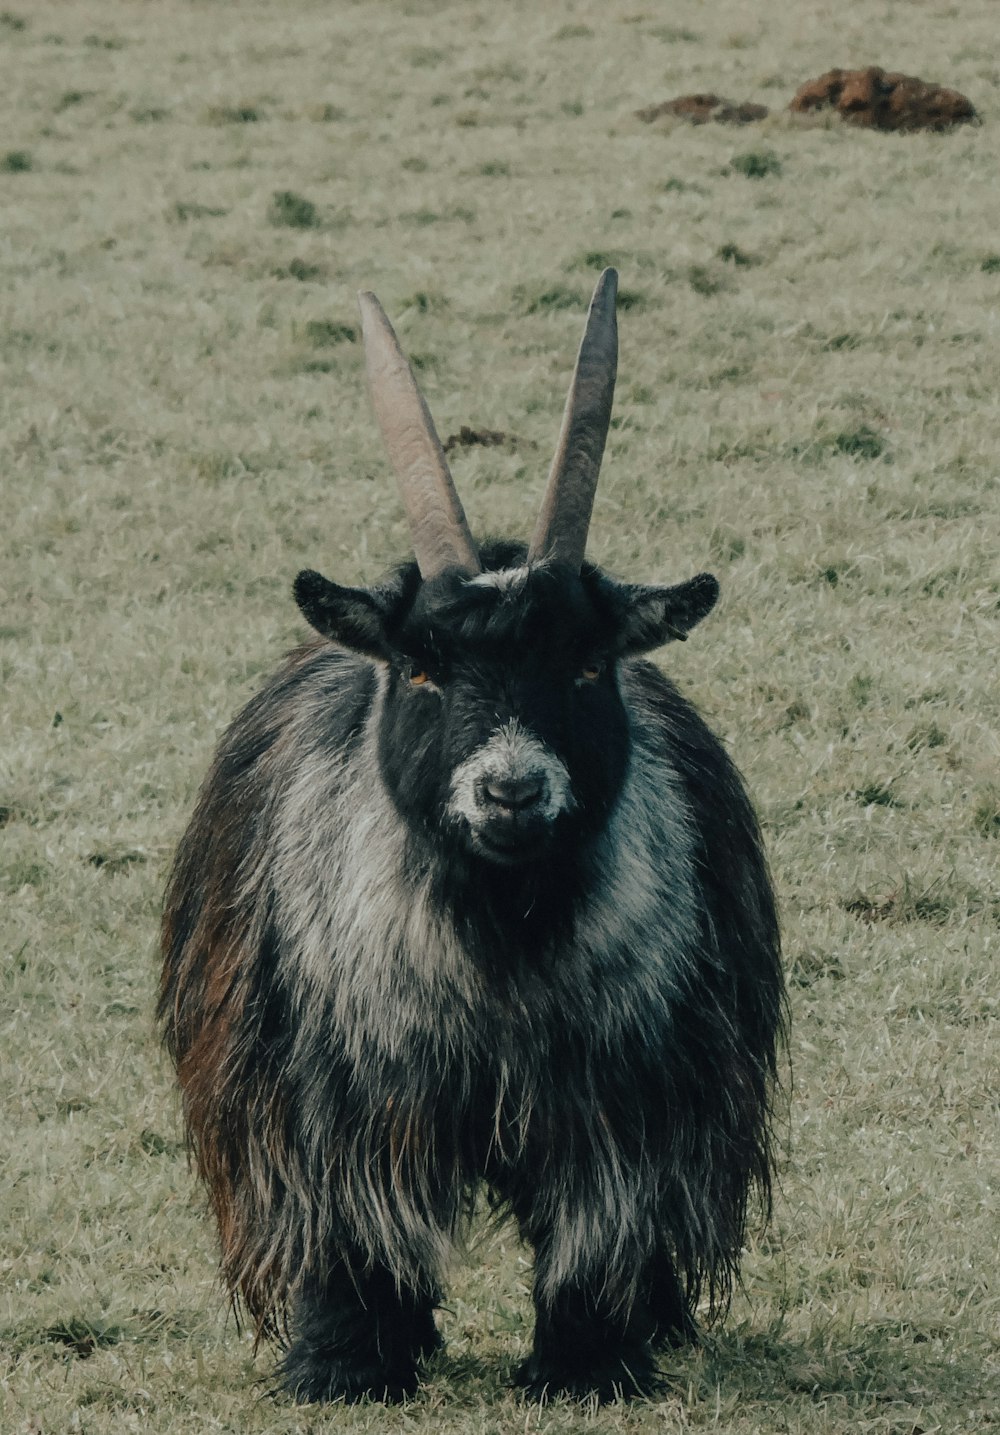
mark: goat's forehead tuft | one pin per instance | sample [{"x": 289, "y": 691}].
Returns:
[{"x": 504, "y": 580}]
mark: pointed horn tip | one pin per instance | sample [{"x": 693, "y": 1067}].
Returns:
[
  {"x": 607, "y": 284},
  {"x": 369, "y": 306}
]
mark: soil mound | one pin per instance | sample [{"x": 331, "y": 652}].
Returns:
[
  {"x": 469, "y": 438},
  {"x": 885, "y": 100},
  {"x": 699, "y": 109}
]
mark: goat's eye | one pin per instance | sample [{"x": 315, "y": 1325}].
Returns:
[
  {"x": 590, "y": 672},
  {"x": 419, "y": 676}
]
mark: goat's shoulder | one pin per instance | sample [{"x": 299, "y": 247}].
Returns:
[
  {"x": 668, "y": 730},
  {"x": 667, "y": 726},
  {"x": 319, "y": 696}
]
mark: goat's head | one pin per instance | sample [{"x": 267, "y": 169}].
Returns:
[{"x": 501, "y": 719}]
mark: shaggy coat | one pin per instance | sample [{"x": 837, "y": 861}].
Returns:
[{"x": 473, "y": 898}]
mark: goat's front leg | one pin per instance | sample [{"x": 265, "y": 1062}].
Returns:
[
  {"x": 357, "y": 1335},
  {"x": 668, "y": 1304},
  {"x": 586, "y": 1346}
]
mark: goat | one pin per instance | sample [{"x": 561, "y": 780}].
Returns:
[{"x": 473, "y": 898}]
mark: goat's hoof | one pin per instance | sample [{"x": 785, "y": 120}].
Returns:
[
  {"x": 309, "y": 1379},
  {"x": 628, "y": 1376}
]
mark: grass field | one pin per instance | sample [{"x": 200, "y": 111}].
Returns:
[{"x": 808, "y": 404}]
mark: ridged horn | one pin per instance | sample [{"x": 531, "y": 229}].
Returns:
[
  {"x": 440, "y": 533},
  {"x": 561, "y": 530}
]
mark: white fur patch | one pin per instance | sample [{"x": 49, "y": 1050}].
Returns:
[{"x": 506, "y": 580}]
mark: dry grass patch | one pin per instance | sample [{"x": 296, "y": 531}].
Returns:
[{"x": 184, "y": 427}]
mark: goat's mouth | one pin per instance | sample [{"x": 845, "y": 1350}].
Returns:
[{"x": 510, "y": 843}]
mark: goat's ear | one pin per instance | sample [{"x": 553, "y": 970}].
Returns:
[
  {"x": 353, "y": 617},
  {"x": 648, "y": 617}
]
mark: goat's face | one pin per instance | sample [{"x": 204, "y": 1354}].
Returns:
[{"x": 501, "y": 721}]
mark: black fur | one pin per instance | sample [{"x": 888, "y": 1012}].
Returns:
[
  {"x": 481, "y": 902},
  {"x": 356, "y": 1335}
]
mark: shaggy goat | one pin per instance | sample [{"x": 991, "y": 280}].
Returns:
[{"x": 472, "y": 896}]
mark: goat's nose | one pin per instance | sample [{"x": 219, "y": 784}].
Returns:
[{"x": 515, "y": 794}]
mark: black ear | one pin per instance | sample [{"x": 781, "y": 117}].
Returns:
[
  {"x": 648, "y": 617},
  {"x": 353, "y": 617}
]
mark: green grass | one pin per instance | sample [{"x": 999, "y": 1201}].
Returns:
[
  {"x": 292, "y": 210},
  {"x": 807, "y": 403},
  {"x": 17, "y": 161},
  {"x": 756, "y": 163}
]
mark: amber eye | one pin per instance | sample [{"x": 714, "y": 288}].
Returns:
[
  {"x": 418, "y": 677},
  {"x": 590, "y": 672}
]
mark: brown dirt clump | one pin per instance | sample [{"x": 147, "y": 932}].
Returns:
[
  {"x": 699, "y": 109},
  {"x": 884, "y": 100},
  {"x": 471, "y": 438}
]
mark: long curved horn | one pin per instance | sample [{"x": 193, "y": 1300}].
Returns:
[
  {"x": 561, "y": 530},
  {"x": 441, "y": 537}
]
